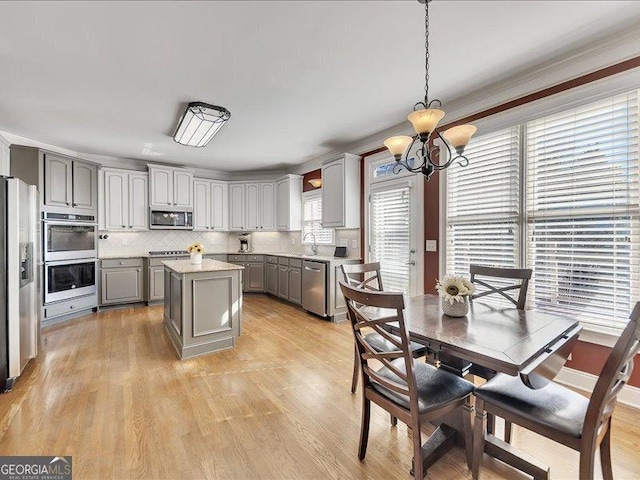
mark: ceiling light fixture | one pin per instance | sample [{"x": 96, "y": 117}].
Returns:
[
  {"x": 425, "y": 118},
  {"x": 316, "y": 182},
  {"x": 199, "y": 123}
]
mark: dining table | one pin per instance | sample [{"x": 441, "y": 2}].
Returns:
[{"x": 532, "y": 344}]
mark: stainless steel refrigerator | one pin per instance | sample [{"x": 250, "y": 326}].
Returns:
[{"x": 20, "y": 304}]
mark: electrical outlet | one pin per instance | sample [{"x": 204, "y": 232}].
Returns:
[
  {"x": 354, "y": 243},
  {"x": 431, "y": 246}
]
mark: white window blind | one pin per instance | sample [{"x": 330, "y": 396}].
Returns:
[
  {"x": 312, "y": 220},
  {"x": 582, "y": 210},
  {"x": 390, "y": 235},
  {"x": 482, "y": 204}
]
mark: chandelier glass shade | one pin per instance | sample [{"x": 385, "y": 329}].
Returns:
[{"x": 430, "y": 156}]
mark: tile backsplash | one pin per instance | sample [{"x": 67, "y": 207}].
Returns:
[{"x": 140, "y": 243}]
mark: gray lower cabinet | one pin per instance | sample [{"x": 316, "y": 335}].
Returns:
[
  {"x": 295, "y": 285},
  {"x": 121, "y": 281},
  {"x": 155, "y": 278},
  {"x": 271, "y": 275},
  {"x": 243, "y": 275},
  {"x": 254, "y": 274},
  {"x": 283, "y": 282}
]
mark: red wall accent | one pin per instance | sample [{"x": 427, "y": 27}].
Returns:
[
  {"x": 590, "y": 358},
  {"x": 306, "y": 186}
]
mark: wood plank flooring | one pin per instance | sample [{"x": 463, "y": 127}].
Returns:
[{"x": 109, "y": 390}]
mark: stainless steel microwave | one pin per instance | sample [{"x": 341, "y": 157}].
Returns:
[{"x": 170, "y": 220}]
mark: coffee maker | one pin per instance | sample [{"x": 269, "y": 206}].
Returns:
[{"x": 245, "y": 243}]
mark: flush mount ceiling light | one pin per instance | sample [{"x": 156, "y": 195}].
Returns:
[
  {"x": 425, "y": 117},
  {"x": 316, "y": 182},
  {"x": 199, "y": 123}
]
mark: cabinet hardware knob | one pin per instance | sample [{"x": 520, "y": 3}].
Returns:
[
  {"x": 68, "y": 203},
  {"x": 124, "y": 226},
  {"x": 75, "y": 204},
  {"x": 121, "y": 263},
  {"x": 71, "y": 307},
  {"x": 130, "y": 226}
]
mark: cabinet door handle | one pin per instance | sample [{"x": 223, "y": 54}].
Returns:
[{"x": 68, "y": 204}]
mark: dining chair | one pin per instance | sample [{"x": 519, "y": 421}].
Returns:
[
  {"x": 481, "y": 275},
  {"x": 366, "y": 276},
  {"x": 413, "y": 391},
  {"x": 559, "y": 413},
  {"x": 492, "y": 279}
]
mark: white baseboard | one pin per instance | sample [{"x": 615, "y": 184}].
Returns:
[{"x": 587, "y": 381}]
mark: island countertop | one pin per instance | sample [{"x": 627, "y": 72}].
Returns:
[{"x": 208, "y": 265}]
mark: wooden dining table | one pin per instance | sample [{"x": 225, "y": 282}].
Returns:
[{"x": 529, "y": 343}]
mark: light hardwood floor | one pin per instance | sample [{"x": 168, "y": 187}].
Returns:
[{"x": 109, "y": 390}]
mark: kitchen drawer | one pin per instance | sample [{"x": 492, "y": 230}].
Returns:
[
  {"x": 272, "y": 259},
  {"x": 283, "y": 261},
  {"x": 295, "y": 263},
  {"x": 121, "y": 262},
  {"x": 157, "y": 261},
  {"x": 68, "y": 307},
  {"x": 236, "y": 258},
  {"x": 254, "y": 258},
  {"x": 221, "y": 257}
]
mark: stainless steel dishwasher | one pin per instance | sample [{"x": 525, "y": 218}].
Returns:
[{"x": 314, "y": 287}]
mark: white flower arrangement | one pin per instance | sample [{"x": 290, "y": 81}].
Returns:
[{"x": 453, "y": 288}]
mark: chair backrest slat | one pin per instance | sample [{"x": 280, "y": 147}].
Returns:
[
  {"x": 522, "y": 274},
  {"x": 363, "y": 275},
  {"x": 615, "y": 374},
  {"x": 367, "y": 309}
]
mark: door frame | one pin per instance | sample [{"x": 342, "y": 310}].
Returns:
[{"x": 417, "y": 216}]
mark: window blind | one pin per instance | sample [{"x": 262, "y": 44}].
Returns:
[
  {"x": 582, "y": 210},
  {"x": 390, "y": 235},
  {"x": 312, "y": 221},
  {"x": 482, "y": 204}
]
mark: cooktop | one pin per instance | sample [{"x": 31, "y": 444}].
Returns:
[{"x": 162, "y": 253}]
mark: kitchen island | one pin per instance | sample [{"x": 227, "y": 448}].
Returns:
[{"x": 202, "y": 306}]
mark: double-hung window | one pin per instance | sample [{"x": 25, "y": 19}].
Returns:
[
  {"x": 312, "y": 220},
  {"x": 559, "y": 195}
]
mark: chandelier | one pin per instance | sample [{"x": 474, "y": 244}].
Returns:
[{"x": 424, "y": 118}]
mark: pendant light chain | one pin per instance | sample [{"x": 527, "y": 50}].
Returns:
[{"x": 426, "y": 47}]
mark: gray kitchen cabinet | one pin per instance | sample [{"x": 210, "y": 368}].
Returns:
[
  {"x": 254, "y": 274},
  {"x": 243, "y": 277},
  {"x": 70, "y": 183},
  {"x": 210, "y": 210},
  {"x": 170, "y": 188},
  {"x": 271, "y": 274},
  {"x": 155, "y": 287},
  {"x": 125, "y": 200},
  {"x": 121, "y": 281},
  {"x": 283, "y": 279},
  {"x": 295, "y": 281},
  {"x": 341, "y": 192},
  {"x": 289, "y": 203}
]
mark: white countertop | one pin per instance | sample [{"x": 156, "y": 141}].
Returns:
[{"x": 208, "y": 265}]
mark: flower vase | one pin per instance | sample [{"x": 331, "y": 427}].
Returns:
[
  {"x": 196, "y": 258},
  {"x": 457, "y": 309}
]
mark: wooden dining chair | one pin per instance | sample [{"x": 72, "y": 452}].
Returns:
[
  {"x": 486, "y": 277},
  {"x": 559, "y": 413},
  {"x": 490, "y": 279},
  {"x": 366, "y": 276},
  {"x": 414, "y": 392}
]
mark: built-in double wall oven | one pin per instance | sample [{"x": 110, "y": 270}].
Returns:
[{"x": 70, "y": 256}]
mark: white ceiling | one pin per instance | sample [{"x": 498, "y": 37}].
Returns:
[{"x": 301, "y": 78}]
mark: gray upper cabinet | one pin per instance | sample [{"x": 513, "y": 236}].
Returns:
[
  {"x": 289, "y": 203},
  {"x": 125, "y": 200},
  {"x": 341, "y": 192},
  {"x": 210, "y": 210},
  {"x": 85, "y": 186},
  {"x": 58, "y": 191},
  {"x": 70, "y": 183},
  {"x": 170, "y": 188}
]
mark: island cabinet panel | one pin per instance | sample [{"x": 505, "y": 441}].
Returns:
[
  {"x": 204, "y": 308},
  {"x": 210, "y": 314}
]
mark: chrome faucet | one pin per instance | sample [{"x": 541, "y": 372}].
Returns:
[{"x": 314, "y": 247}]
